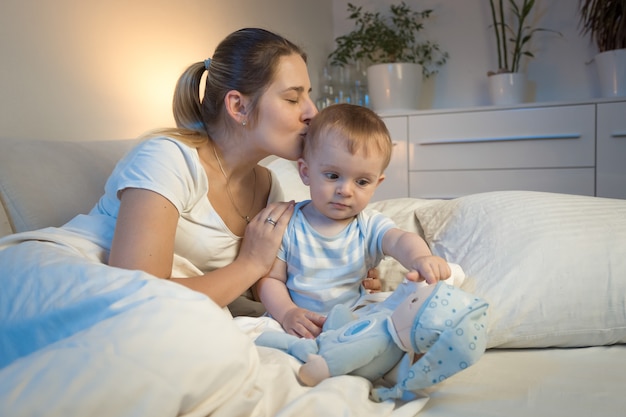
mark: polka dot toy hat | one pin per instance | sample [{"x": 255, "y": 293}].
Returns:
[{"x": 450, "y": 331}]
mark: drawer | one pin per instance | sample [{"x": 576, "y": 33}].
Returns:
[
  {"x": 452, "y": 184},
  {"x": 544, "y": 137}
]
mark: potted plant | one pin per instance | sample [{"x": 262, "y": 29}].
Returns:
[
  {"x": 605, "y": 22},
  {"x": 512, "y": 34},
  {"x": 389, "y": 45}
]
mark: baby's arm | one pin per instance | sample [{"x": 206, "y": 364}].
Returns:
[
  {"x": 414, "y": 254},
  {"x": 273, "y": 293}
]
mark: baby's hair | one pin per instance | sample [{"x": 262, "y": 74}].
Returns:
[{"x": 361, "y": 129}]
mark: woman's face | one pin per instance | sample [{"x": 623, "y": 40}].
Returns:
[{"x": 285, "y": 109}]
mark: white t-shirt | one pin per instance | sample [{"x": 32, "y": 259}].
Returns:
[{"x": 173, "y": 170}]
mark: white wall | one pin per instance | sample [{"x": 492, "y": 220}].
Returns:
[
  {"x": 462, "y": 27},
  {"x": 88, "y": 70}
]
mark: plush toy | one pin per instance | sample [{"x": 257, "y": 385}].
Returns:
[{"x": 429, "y": 332}]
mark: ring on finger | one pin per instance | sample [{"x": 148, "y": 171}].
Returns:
[{"x": 270, "y": 221}]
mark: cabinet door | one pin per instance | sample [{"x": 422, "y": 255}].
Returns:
[
  {"x": 611, "y": 150},
  {"x": 396, "y": 183}
]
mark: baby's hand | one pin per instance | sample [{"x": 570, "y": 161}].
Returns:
[
  {"x": 430, "y": 269},
  {"x": 372, "y": 283},
  {"x": 303, "y": 323}
]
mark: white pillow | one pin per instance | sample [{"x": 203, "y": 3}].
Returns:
[{"x": 552, "y": 266}]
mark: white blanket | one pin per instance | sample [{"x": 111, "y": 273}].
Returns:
[{"x": 96, "y": 340}]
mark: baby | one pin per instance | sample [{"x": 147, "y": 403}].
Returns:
[{"x": 332, "y": 239}]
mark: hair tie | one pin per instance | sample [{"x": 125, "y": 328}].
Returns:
[{"x": 207, "y": 63}]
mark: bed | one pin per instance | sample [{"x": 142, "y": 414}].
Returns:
[{"x": 551, "y": 266}]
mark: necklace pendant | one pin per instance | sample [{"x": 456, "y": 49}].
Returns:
[{"x": 247, "y": 219}]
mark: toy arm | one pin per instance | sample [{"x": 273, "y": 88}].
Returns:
[{"x": 293, "y": 345}]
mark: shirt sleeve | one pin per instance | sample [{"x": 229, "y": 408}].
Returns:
[
  {"x": 165, "y": 166},
  {"x": 376, "y": 225}
]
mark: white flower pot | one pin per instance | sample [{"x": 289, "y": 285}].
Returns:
[
  {"x": 507, "y": 88},
  {"x": 394, "y": 87},
  {"x": 611, "y": 66}
]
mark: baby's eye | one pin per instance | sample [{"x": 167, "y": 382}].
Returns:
[
  {"x": 363, "y": 182},
  {"x": 331, "y": 175}
]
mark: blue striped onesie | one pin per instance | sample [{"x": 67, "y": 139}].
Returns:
[{"x": 324, "y": 271}]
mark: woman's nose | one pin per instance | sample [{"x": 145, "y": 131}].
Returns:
[{"x": 310, "y": 110}]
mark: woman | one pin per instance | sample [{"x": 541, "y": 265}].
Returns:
[{"x": 256, "y": 103}]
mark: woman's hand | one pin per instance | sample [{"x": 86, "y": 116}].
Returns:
[
  {"x": 303, "y": 323},
  {"x": 263, "y": 236},
  {"x": 373, "y": 283}
]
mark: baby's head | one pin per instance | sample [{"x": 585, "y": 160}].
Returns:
[
  {"x": 359, "y": 128},
  {"x": 346, "y": 151}
]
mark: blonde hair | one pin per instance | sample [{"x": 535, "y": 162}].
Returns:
[
  {"x": 245, "y": 61},
  {"x": 361, "y": 129}
]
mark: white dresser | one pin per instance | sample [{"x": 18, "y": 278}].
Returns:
[{"x": 573, "y": 148}]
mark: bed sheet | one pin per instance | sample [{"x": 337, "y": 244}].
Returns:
[{"x": 550, "y": 382}]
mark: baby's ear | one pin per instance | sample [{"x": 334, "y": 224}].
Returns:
[
  {"x": 380, "y": 179},
  {"x": 303, "y": 170}
]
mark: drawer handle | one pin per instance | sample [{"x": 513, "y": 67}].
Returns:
[
  {"x": 501, "y": 139},
  {"x": 619, "y": 134}
]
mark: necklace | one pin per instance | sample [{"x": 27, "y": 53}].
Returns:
[{"x": 230, "y": 195}]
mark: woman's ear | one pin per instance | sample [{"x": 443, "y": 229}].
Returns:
[
  {"x": 303, "y": 170},
  {"x": 236, "y": 105}
]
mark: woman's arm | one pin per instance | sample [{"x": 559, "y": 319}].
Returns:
[
  {"x": 144, "y": 233},
  {"x": 144, "y": 240}
]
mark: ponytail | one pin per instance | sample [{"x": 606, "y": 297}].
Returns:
[{"x": 186, "y": 103}]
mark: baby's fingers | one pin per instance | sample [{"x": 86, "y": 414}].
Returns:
[{"x": 413, "y": 275}]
